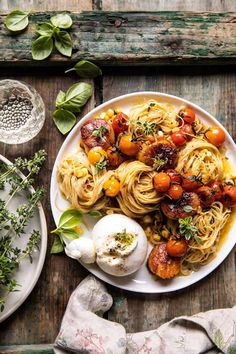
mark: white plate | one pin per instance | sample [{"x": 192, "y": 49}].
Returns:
[
  {"x": 28, "y": 273},
  {"x": 142, "y": 281}
]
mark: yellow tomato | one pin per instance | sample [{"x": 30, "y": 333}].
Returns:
[
  {"x": 95, "y": 155},
  {"x": 111, "y": 187},
  {"x": 128, "y": 146}
]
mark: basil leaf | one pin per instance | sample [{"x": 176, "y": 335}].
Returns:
[
  {"x": 57, "y": 246},
  {"x": 45, "y": 29},
  {"x": 70, "y": 219},
  {"x": 17, "y": 20},
  {"x": 60, "y": 97},
  {"x": 188, "y": 208},
  {"x": 86, "y": 69},
  {"x": 95, "y": 213},
  {"x": 64, "y": 120},
  {"x": 76, "y": 96},
  {"x": 63, "y": 43},
  {"x": 42, "y": 47},
  {"x": 69, "y": 234},
  {"x": 61, "y": 20}
]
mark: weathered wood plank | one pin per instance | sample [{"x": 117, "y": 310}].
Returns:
[
  {"x": 135, "y": 38},
  {"x": 27, "y": 349}
]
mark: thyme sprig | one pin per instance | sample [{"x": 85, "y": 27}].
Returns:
[{"x": 188, "y": 230}]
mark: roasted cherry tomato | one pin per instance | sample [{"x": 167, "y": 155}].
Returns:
[
  {"x": 188, "y": 131},
  {"x": 114, "y": 156},
  {"x": 111, "y": 187},
  {"x": 187, "y": 114},
  {"x": 161, "y": 182},
  {"x": 215, "y": 135},
  {"x": 217, "y": 188},
  {"x": 120, "y": 123},
  {"x": 176, "y": 248},
  {"x": 95, "y": 155},
  {"x": 128, "y": 146},
  {"x": 175, "y": 191},
  {"x": 228, "y": 198},
  {"x": 190, "y": 182},
  {"x": 175, "y": 176},
  {"x": 206, "y": 195},
  {"x": 179, "y": 138}
]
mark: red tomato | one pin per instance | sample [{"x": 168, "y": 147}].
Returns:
[
  {"x": 215, "y": 135},
  {"x": 187, "y": 130},
  {"x": 178, "y": 138},
  {"x": 190, "y": 182},
  {"x": 176, "y": 248},
  {"x": 206, "y": 195},
  {"x": 120, "y": 123},
  {"x": 187, "y": 114},
  {"x": 228, "y": 198},
  {"x": 217, "y": 188},
  {"x": 175, "y": 176},
  {"x": 175, "y": 191}
]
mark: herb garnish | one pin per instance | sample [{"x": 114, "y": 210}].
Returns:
[
  {"x": 188, "y": 230},
  {"x": 12, "y": 224},
  {"x": 146, "y": 128},
  {"x": 158, "y": 163},
  {"x": 100, "y": 132},
  {"x": 187, "y": 208},
  {"x": 101, "y": 165},
  {"x": 124, "y": 237}
]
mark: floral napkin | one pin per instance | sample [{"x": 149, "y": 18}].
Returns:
[{"x": 83, "y": 330}]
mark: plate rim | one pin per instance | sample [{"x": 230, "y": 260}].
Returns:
[
  {"x": 184, "y": 101},
  {"x": 42, "y": 254}
]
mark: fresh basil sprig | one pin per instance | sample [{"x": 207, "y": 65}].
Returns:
[
  {"x": 68, "y": 103},
  {"x": 17, "y": 20},
  {"x": 51, "y": 34},
  {"x": 86, "y": 69}
]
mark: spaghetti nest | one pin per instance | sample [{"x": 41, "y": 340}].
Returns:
[
  {"x": 199, "y": 156},
  {"x": 137, "y": 196},
  {"x": 79, "y": 183},
  {"x": 209, "y": 223}
]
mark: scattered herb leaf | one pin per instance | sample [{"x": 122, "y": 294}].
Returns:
[
  {"x": 17, "y": 20},
  {"x": 187, "y": 208},
  {"x": 86, "y": 69},
  {"x": 64, "y": 120},
  {"x": 63, "y": 21},
  {"x": 57, "y": 246},
  {"x": 63, "y": 43},
  {"x": 76, "y": 97},
  {"x": 42, "y": 47},
  {"x": 45, "y": 29},
  {"x": 95, "y": 213}
]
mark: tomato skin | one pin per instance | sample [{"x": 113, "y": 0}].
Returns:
[
  {"x": 111, "y": 187},
  {"x": 215, "y": 135},
  {"x": 175, "y": 176},
  {"x": 228, "y": 197},
  {"x": 187, "y": 114},
  {"x": 187, "y": 130},
  {"x": 206, "y": 195},
  {"x": 120, "y": 123},
  {"x": 178, "y": 138},
  {"x": 127, "y": 146},
  {"x": 161, "y": 182},
  {"x": 176, "y": 248},
  {"x": 175, "y": 191},
  {"x": 217, "y": 188},
  {"x": 190, "y": 182},
  {"x": 114, "y": 156},
  {"x": 95, "y": 154}
]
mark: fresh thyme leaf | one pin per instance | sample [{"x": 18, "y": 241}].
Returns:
[
  {"x": 187, "y": 229},
  {"x": 99, "y": 132},
  {"x": 147, "y": 128},
  {"x": 101, "y": 165},
  {"x": 158, "y": 163},
  {"x": 187, "y": 208}
]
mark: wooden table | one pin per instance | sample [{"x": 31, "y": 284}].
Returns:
[{"x": 37, "y": 321}]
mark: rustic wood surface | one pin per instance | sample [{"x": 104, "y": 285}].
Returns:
[
  {"x": 132, "y": 38},
  {"x": 38, "y": 319}
]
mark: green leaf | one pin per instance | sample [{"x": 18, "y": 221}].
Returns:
[
  {"x": 61, "y": 20},
  {"x": 70, "y": 219},
  {"x": 63, "y": 43},
  {"x": 42, "y": 47},
  {"x": 219, "y": 339},
  {"x": 64, "y": 120},
  {"x": 70, "y": 235},
  {"x": 86, "y": 69},
  {"x": 187, "y": 208},
  {"x": 57, "y": 246},
  {"x": 76, "y": 96},
  {"x": 60, "y": 97},
  {"x": 95, "y": 213},
  {"x": 45, "y": 29},
  {"x": 17, "y": 20}
]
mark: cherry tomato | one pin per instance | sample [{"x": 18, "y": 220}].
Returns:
[
  {"x": 114, "y": 156},
  {"x": 187, "y": 130},
  {"x": 187, "y": 114},
  {"x": 176, "y": 248},
  {"x": 111, "y": 187},
  {"x": 228, "y": 198},
  {"x": 175, "y": 191},
  {"x": 127, "y": 146},
  {"x": 175, "y": 176},
  {"x": 178, "y": 138},
  {"x": 120, "y": 123},
  {"x": 206, "y": 195},
  {"x": 217, "y": 188},
  {"x": 161, "y": 182},
  {"x": 215, "y": 135},
  {"x": 95, "y": 155},
  {"x": 190, "y": 182}
]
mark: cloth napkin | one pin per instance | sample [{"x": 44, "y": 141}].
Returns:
[{"x": 83, "y": 330}]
